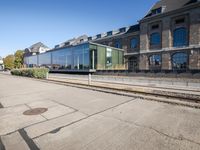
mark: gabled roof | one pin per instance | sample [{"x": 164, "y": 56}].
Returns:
[
  {"x": 73, "y": 42},
  {"x": 36, "y": 47},
  {"x": 169, "y": 5}
]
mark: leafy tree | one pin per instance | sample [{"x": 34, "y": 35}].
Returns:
[
  {"x": 18, "y": 58},
  {"x": 9, "y": 61}
]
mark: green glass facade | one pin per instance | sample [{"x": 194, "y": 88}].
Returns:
[{"x": 84, "y": 57}]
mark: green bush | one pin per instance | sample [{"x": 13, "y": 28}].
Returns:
[{"x": 39, "y": 73}]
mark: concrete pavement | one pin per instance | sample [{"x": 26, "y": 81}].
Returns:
[{"x": 90, "y": 120}]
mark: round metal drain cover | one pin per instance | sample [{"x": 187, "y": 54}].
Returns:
[{"x": 35, "y": 111}]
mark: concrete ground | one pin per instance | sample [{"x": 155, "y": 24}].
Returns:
[{"x": 80, "y": 119}]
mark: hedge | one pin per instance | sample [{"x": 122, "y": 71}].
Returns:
[{"x": 40, "y": 73}]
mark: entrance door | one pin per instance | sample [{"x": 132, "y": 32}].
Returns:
[{"x": 133, "y": 63}]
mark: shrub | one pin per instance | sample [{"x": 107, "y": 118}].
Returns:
[{"x": 39, "y": 73}]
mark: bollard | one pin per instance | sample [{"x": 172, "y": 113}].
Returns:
[
  {"x": 47, "y": 75},
  {"x": 89, "y": 79}
]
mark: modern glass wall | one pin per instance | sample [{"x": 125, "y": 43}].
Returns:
[
  {"x": 32, "y": 61},
  {"x": 72, "y": 58},
  {"x": 44, "y": 60},
  {"x": 84, "y": 57},
  {"x": 107, "y": 58}
]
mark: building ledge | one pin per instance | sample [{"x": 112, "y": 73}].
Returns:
[{"x": 164, "y": 50}]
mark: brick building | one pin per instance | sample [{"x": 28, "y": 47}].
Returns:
[{"x": 167, "y": 39}]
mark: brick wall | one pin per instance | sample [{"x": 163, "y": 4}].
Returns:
[
  {"x": 195, "y": 27},
  {"x": 166, "y": 61},
  {"x": 194, "y": 59},
  {"x": 143, "y": 62}
]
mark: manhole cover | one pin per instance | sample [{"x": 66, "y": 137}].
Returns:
[{"x": 35, "y": 111}]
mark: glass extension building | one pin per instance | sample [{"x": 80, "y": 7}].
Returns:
[{"x": 86, "y": 57}]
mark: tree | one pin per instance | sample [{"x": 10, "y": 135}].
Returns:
[
  {"x": 9, "y": 62},
  {"x": 18, "y": 59}
]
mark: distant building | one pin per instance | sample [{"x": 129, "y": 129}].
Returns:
[
  {"x": 73, "y": 42},
  {"x": 35, "y": 49},
  {"x": 1, "y": 63}
]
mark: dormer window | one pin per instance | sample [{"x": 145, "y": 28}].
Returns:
[
  {"x": 156, "y": 11},
  {"x": 57, "y": 46},
  {"x": 122, "y": 30},
  {"x": 67, "y": 43},
  {"x": 98, "y": 36},
  {"x": 118, "y": 44},
  {"x": 109, "y": 33}
]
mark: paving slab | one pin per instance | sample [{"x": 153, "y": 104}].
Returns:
[
  {"x": 174, "y": 121},
  {"x": 54, "y": 109},
  {"x": 87, "y": 101},
  {"x": 50, "y": 125},
  {"x": 14, "y": 141},
  {"x": 103, "y": 133},
  {"x": 12, "y": 119},
  {"x": 77, "y": 135}
]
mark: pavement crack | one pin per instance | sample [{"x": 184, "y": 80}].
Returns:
[{"x": 180, "y": 138}]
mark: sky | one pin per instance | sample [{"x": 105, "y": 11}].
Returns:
[{"x": 26, "y": 22}]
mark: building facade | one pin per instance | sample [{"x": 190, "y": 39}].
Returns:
[{"x": 167, "y": 39}]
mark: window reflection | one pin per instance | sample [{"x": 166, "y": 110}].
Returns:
[
  {"x": 155, "y": 39},
  {"x": 155, "y": 61},
  {"x": 179, "y": 61},
  {"x": 118, "y": 44},
  {"x": 75, "y": 58},
  {"x": 180, "y": 37},
  {"x": 45, "y": 60},
  {"x": 134, "y": 43},
  {"x": 32, "y": 61}
]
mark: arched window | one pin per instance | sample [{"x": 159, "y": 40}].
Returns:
[
  {"x": 155, "y": 61},
  {"x": 134, "y": 43},
  {"x": 180, "y": 37},
  {"x": 179, "y": 61},
  {"x": 118, "y": 44},
  {"x": 155, "y": 39}
]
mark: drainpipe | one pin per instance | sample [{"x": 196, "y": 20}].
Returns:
[{"x": 93, "y": 59}]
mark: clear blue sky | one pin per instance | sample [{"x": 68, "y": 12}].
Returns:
[{"x": 25, "y": 22}]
